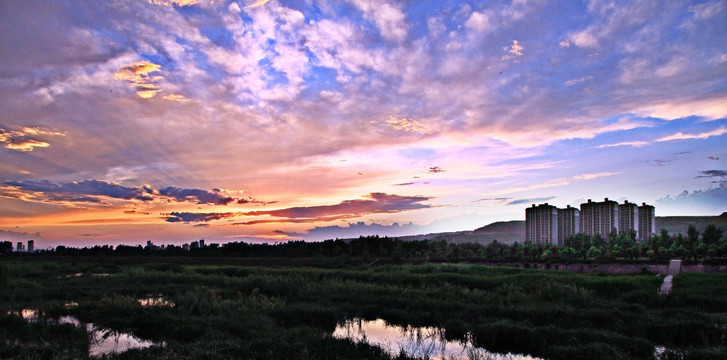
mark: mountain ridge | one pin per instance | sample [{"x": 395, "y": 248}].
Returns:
[{"x": 514, "y": 230}]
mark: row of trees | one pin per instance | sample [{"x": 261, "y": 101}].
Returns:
[{"x": 695, "y": 245}]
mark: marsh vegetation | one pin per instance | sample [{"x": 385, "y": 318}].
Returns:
[{"x": 203, "y": 311}]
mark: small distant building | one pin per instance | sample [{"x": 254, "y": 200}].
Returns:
[
  {"x": 568, "y": 223},
  {"x": 201, "y": 243},
  {"x": 185, "y": 246},
  {"x": 628, "y": 218},
  {"x": 19, "y": 247},
  {"x": 541, "y": 224},
  {"x": 647, "y": 222},
  {"x": 194, "y": 245},
  {"x": 31, "y": 246},
  {"x": 599, "y": 217}
]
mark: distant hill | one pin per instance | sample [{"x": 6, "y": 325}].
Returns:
[
  {"x": 679, "y": 224},
  {"x": 503, "y": 231},
  {"x": 512, "y": 231}
]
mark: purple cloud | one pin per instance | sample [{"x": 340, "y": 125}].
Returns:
[{"x": 376, "y": 203}]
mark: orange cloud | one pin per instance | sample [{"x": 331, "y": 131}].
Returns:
[
  {"x": 24, "y": 139},
  {"x": 27, "y": 145},
  {"x": 138, "y": 76},
  {"x": 404, "y": 124},
  {"x": 257, "y": 4}
]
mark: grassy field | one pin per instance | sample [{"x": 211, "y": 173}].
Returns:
[{"x": 274, "y": 312}]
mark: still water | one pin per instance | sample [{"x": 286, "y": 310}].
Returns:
[
  {"x": 423, "y": 342},
  {"x": 102, "y": 341}
]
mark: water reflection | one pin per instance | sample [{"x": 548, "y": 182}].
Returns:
[
  {"x": 422, "y": 343},
  {"x": 103, "y": 341}
]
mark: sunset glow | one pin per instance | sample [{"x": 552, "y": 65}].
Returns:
[{"x": 175, "y": 120}]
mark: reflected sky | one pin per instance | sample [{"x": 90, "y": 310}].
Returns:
[{"x": 424, "y": 343}]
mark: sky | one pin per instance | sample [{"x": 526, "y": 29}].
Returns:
[{"x": 268, "y": 121}]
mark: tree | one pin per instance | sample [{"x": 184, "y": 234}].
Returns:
[
  {"x": 712, "y": 234},
  {"x": 692, "y": 235},
  {"x": 594, "y": 252}
]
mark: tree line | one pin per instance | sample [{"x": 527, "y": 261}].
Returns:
[{"x": 695, "y": 245}]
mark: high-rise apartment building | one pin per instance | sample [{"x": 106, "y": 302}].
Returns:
[
  {"x": 541, "y": 224},
  {"x": 628, "y": 218},
  {"x": 647, "y": 223},
  {"x": 31, "y": 246},
  {"x": 599, "y": 217},
  {"x": 568, "y": 223}
]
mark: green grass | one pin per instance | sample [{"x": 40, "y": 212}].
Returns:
[{"x": 269, "y": 312}]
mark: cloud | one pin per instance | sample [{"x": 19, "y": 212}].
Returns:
[
  {"x": 707, "y": 10},
  {"x": 556, "y": 182},
  {"x": 375, "y": 203},
  {"x": 11, "y": 235},
  {"x": 188, "y": 217},
  {"x": 479, "y": 22},
  {"x": 436, "y": 170},
  {"x": 697, "y": 201},
  {"x": 80, "y": 190},
  {"x": 584, "y": 39},
  {"x": 257, "y": 3},
  {"x": 626, "y": 143},
  {"x": 198, "y": 195},
  {"x": 405, "y": 184},
  {"x": 138, "y": 76},
  {"x": 511, "y": 201},
  {"x": 389, "y": 19},
  {"x": 174, "y": 2},
  {"x": 404, "y": 124},
  {"x": 513, "y": 51},
  {"x": 27, "y": 138},
  {"x": 95, "y": 191},
  {"x": 713, "y": 173},
  {"x": 682, "y": 136},
  {"x": 579, "y": 80},
  {"x": 530, "y": 200}
]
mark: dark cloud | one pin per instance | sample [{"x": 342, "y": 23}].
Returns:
[
  {"x": 405, "y": 184},
  {"x": 94, "y": 191},
  {"x": 375, "y": 204},
  {"x": 198, "y": 195},
  {"x": 187, "y": 217},
  {"x": 713, "y": 157},
  {"x": 8, "y": 235},
  {"x": 436, "y": 169},
  {"x": 712, "y": 173},
  {"x": 82, "y": 189}
]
